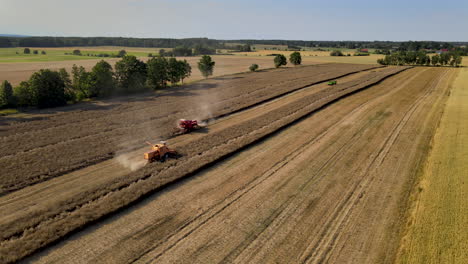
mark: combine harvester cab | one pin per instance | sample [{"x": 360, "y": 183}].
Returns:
[
  {"x": 159, "y": 152},
  {"x": 332, "y": 83}
]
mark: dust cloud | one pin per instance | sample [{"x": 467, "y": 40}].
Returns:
[{"x": 129, "y": 162}]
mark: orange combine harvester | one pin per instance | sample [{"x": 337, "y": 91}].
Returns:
[{"x": 159, "y": 152}]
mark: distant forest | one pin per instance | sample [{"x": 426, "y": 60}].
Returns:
[
  {"x": 219, "y": 44},
  {"x": 105, "y": 41}
]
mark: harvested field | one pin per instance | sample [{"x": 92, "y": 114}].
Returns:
[
  {"x": 38, "y": 224},
  {"x": 16, "y": 72},
  {"x": 65, "y": 139},
  {"x": 326, "y": 188}
]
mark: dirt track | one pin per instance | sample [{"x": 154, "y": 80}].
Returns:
[{"x": 327, "y": 189}]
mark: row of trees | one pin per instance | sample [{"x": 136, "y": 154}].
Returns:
[
  {"x": 387, "y": 45},
  {"x": 35, "y": 52},
  {"x": 453, "y": 59},
  {"x": 295, "y": 59},
  {"x": 48, "y": 88},
  {"x": 183, "y": 51},
  {"x": 218, "y": 44},
  {"x": 242, "y": 48},
  {"x": 6, "y": 42},
  {"x": 77, "y": 52},
  {"x": 336, "y": 53}
]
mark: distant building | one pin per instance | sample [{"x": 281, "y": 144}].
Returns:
[
  {"x": 364, "y": 50},
  {"x": 442, "y": 51}
]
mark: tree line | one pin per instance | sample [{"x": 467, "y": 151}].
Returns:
[
  {"x": 48, "y": 88},
  {"x": 385, "y": 45},
  {"x": 295, "y": 58},
  {"x": 452, "y": 58},
  {"x": 219, "y": 44},
  {"x": 185, "y": 51},
  {"x": 6, "y": 42}
]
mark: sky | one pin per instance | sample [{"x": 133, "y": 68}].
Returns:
[{"x": 394, "y": 20}]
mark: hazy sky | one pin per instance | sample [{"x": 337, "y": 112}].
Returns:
[{"x": 241, "y": 19}]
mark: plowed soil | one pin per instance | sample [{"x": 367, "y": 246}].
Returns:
[{"x": 328, "y": 188}]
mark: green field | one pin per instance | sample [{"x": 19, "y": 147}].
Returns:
[{"x": 8, "y": 55}]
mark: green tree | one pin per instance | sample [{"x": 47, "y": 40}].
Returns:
[
  {"x": 244, "y": 48},
  {"x": 35, "y": 52},
  {"x": 206, "y": 66},
  {"x": 6, "y": 95},
  {"x": 201, "y": 50},
  {"x": 458, "y": 60},
  {"x": 182, "y": 51},
  {"x": 435, "y": 60},
  {"x": 77, "y": 52},
  {"x": 253, "y": 67},
  {"x": 295, "y": 58},
  {"x": 121, "y": 53},
  {"x": 381, "y": 61},
  {"x": 444, "y": 58},
  {"x": 280, "y": 60},
  {"x": 27, "y": 51},
  {"x": 130, "y": 74},
  {"x": 69, "y": 92},
  {"x": 174, "y": 70},
  {"x": 23, "y": 94},
  {"x": 336, "y": 53},
  {"x": 43, "y": 52},
  {"x": 186, "y": 70},
  {"x": 421, "y": 58},
  {"x": 162, "y": 52},
  {"x": 178, "y": 70},
  {"x": 103, "y": 76},
  {"x": 158, "y": 72},
  {"x": 409, "y": 57},
  {"x": 82, "y": 83},
  {"x": 47, "y": 88}
]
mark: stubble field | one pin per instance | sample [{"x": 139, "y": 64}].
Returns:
[{"x": 281, "y": 150}]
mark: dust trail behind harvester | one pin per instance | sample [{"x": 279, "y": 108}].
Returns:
[
  {"x": 130, "y": 162},
  {"x": 205, "y": 107},
  {"x": 132, "y": 146}
]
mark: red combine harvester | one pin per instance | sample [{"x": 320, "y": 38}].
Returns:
[{"x": 187, "y": 126}]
